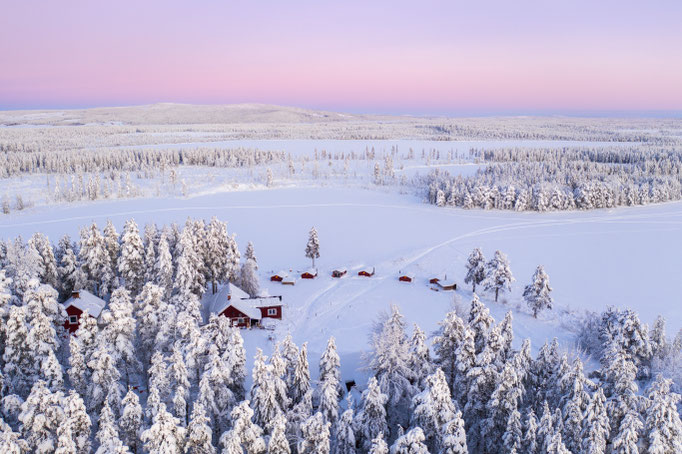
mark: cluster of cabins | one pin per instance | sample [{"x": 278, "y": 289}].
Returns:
[
  {"x": 230, "y": 301},
  {"x": 285, "y": 278}
]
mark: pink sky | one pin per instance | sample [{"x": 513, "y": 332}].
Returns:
[{"x": 400, "y": 57}]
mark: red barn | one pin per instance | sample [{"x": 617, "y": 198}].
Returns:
[
  {"x": 310, "y": 274},
  {"x": 407, "y": 277},
  {"x": 79, "y": 302},
  {"x": 366, "y": 272}
]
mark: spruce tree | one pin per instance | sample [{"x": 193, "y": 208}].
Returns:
[
  {"x": 345, "y": 435},
  {"x": 312, "y": 249},
  {"x": 537, "y": 293},
  {"x": 475, "y": 269},
  {"x": 662, "y": 425},
  {"x": 410, "y": 443},
  {"x": 498, "y": 275},
  {"x": 131, "y": 264},
  {"x": 432, "y": 409},
  {"x": 199, "y": 434},
  {"x": 378, "y": 446},
  {"x": 454, "y": 436},
  {"x": 130, "y": 422},
  {"x": 165, "y": 436},
  {"x": 315, "y": 436},
  {"x": 79, "y": 421}
]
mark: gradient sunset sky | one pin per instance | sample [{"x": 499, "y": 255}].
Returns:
[{"x": 440, "y": 57}]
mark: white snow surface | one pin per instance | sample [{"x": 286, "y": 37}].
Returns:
[{"x": 627, "y": 257}]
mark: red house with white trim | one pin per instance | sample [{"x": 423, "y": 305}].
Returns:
[
  {"x": 79, "y": 302},
  {"x": 242, "y": 310}
]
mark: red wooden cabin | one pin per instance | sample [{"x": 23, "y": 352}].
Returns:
[
  {"x": 279, "y": 276},
  {"x": 80, "y": 302},
  {"x": 310, "y": 274},
  {"x": 366, "y": 272},
  {"x": 406, "y": 278}
]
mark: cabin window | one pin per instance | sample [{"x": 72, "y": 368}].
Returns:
[
  {"x": 73, "y": 320},
  {"x": 240, "y": 320},
  {"x": 272, "y": 311}
]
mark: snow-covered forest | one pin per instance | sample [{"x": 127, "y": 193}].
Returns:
[
  {"x": 156, "y": 373},
  {"x": 562, "y": 179}
]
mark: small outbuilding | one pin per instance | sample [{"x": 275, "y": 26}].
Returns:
[
  {"x": 406, "y": 277},
  {"x": 288, "y": 280},
  {"x": 366, "y": 272},
  {"x": 310, "y": 274},
  {"x": 79, "y": 302},
  {"x": 443, "y": 284},
  {"x": 279, "y": 277},
  {"x": 339, "y": 272}
]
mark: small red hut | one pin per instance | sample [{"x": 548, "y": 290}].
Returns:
[
  {"x": 366, "y": 272},
  {"x": 310, "y": 274},
  {"x": 406, "y": 277}
]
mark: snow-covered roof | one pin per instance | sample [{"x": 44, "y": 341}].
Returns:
[
  {"x": 288, "y": 279},
  {"x": 311, "y": 271},
  {"x": 282, "y": 274},
  {"x": 408, "y": 275},
  {"x": 230, "y": 295},
  {"x": 86, "y": 301},
  {"x": 265, "y": 302},
  {"x": 245, "y": 307},
  {"x": 342, "y": 269}
]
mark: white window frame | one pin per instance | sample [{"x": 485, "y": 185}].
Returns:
[
  {"x": 73, "y": 319},
  {"x": 272, "y": 311}
]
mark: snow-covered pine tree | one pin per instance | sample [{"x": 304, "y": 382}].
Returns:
[
  {"x": 329, "y": 390},
  {"x": 344, "y": 441},
  {"x": 545, "y": 431},
  {"x": 315, "y": 433},
  {"x": 378, "y": 445},
  {"x": 475, "y": 268},
  {"x": 165, "y": 436},
  {"x": 95, "y": 261},
  {"x": 513, "y": 434},
  {"x": 662, "y": 425},
  {"x": 389, "y": 361},
  {"x": 180, "y": 384},
  {"x": 420, "y": 358},
  {"x": 278, "y": 443},
  {"x": 130, "y": 422},
  {"x": 47, "y": 264},
  {"x": 107, "y": 434},
  {"x": 574, "y": 402},
  {"x": 221, "y": 252},
  {"x": 245, "y": 435},
  {"x": 18, "y": 361},
  {"x": 104, "y": 383},
  {"x": 454, "y": 436},
  {"x": 312, "y": 249},
  {"x": 432, "y": 409},
  {"x": 410, "y": 443},
  {"x": 480, "y": 322},
  {"x": 498, "y": 275},
  {"x": 10, "y": 441},
  {"x": 188, "y": 276},
  {"x": 112, "y": 244},
  {"x": 151, "y": 239},
  {"x": 529, "y": 443},
  {"x": 556, "y": 445},
  {"x": 537, "y": 293},
  {"x": 448, "y": 338},
  {"x": 199, "y": 434},
  {"x": 504, "y": 401},
  {"x": 370, "y": 421},
  {"x": 627, "y": 434},
  {"x": 149, "y": 313},
  {"x": 264, "y": 393},
  {"x": 595, "y": 425},
  {"x": 250, "y": 254},
  {"x": 40, "y": 417},
  {"x": 119, "y": 332},
  {"x": 65, "y": 443},
  {"x": 78, "y": 420},
  {"x": 248, "y": 278},
  {"x": 71, "y": 275},
  {"x": 163, "y": 268},
  {"x": 131, "y": 266}
]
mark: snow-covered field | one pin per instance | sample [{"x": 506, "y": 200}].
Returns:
[{"x": 628, "y": 257}]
